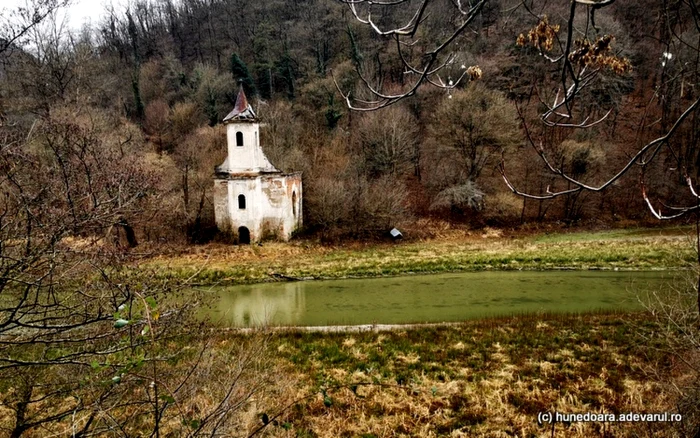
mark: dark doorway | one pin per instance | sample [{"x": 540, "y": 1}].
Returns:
[{"x": 243, "y": 236}]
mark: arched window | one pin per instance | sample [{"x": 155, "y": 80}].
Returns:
[
  {"x": 294, "y": 204},
  {"x": 239, "y": 138},
  {"x": 241, "y": 202}
]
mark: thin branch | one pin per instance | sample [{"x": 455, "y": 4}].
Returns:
[{"x": 579, "y": 184}]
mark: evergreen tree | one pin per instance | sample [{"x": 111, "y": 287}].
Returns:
[
  {"x": 240, "y": 73},
  {"x": 263, "y": 72}
]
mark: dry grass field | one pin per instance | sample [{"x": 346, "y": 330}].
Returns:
[{"x": 482, "y": 378}]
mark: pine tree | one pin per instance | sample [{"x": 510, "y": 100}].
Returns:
[{"x": 240, "y": 73}]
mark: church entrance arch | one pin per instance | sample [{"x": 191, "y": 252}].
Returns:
[{"x": 243, "y": 235}]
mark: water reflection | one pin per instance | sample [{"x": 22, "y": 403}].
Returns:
[
  {"x": 430, "y": 298},
  {"x": 252, "y": 305}
]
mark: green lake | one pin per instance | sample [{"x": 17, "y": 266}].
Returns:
[{"x": 431, "y": 298}]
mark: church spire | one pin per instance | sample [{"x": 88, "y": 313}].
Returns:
[{"x": 242, "y": 111}]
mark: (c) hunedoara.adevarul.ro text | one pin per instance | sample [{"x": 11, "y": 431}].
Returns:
[{"x": 560, "y": 417}]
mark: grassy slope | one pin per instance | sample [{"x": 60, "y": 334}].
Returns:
[
  {"x": 622, "y": 249},
  {"x": 482, "y": 378}
]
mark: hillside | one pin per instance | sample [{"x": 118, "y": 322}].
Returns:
[{"x": 160, "y": 76}]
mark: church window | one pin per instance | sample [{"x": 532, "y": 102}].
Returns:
[
  {"x": 241, "y": 202},
  {"x": 239, "y": 138}
]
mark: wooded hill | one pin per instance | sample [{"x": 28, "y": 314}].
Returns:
[{"x": 149, "y": 85}]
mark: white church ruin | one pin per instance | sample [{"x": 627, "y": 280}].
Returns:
[{"x": 253, "y": 200}]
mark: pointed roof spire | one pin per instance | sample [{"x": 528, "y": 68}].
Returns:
[{"x": 242, "y": 110}]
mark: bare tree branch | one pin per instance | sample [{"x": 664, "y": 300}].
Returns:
[{"x": 428, "y": 72}]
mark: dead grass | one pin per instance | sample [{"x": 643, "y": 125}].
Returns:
[
  {"x": 456, "y": 251},
  {"x": 484, "y": 378}
]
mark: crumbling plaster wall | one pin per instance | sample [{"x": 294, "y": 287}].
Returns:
[
  {"x": 270, "y": 211},
  {"x": 221, "y": 207}
]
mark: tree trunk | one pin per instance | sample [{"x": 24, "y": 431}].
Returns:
[
  {"x": 21, "y": 410},
  {"x": 128, "y": 231},
  {"x": 697, "y": 242}
]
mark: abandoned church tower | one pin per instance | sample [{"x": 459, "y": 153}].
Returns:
[{"x": 253, "y": 200}]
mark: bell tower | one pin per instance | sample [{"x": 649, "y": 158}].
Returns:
[
  {"x": 253, "y": 200},
  {"x": 245, "y": 156}
]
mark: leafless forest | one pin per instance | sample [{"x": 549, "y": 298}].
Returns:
[{"x": 145, "y": 92}]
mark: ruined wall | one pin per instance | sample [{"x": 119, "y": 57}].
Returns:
[
  {"x": 295, "y": 196},
  {"x": 221, "y": 207},
  {"x": 284, "y": 197},
  {"x": 249, "y": 216},
  {"x": 272, "y": 205}
]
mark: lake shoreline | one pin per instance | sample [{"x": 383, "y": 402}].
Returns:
[
  {"x": 482, "y": 375},
  {"x": 284, "y": 330},
  {"x": 621, "y": 250}
]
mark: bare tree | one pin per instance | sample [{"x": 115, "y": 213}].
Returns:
[
  {"x": 473, "y": 129},
  {"x": 16, "y": 27},
  {"x": 582, "y": 55},
  {"x": 389, "y": 142},
  {"x": 89, "y": 346},
  {"x": 55, "y": 186},
  {"x": 16, "y": 24},
  {"x": 422, "y": 66}
]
